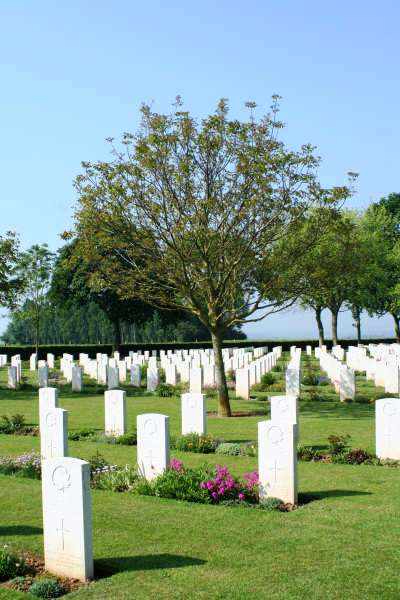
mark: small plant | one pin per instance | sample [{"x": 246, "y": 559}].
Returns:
[
  {"x": 11, "y": 565},
  {"x": 307, "y": 453},
  {"x": 271, "y": 504},
  {"x": 231, "y": 376},
  {"x": 267, "y": 379},
  {"x": 193, "y": 442},
  {"x": 97, "y": 463},
  {"x": 24, "y": 465},
  {"x": 114, "y": 479},
  {"x": 310, "y": 379},
  {"x": 338, "y": 443},
  {"x": 81, "y": 434},
  {"x": 358, "y": 456},
  {"x": 12, "y": 424},
  {"x": 277, "y": 368},
  {"x": 165, "y": 390},
  {"x": 228, "y": 449},
  {"x": 128, "y": 439},
  {"x": 46, "y": 588}
]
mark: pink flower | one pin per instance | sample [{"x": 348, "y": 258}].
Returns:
[
  {"x": 241, "y": 496},
  {"x": 177, "y": 465},
  {"x": 214, "y": 495}
]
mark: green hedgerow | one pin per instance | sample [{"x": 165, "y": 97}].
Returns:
[
  {"x": 11, "y": 565},
  {"x": 46, "y": 588}
]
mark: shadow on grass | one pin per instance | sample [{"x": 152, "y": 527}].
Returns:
[
  {"x": 105, "y": 567},
  {"x": 307, "y": 497},
  {"x": 11, "y": 530}
]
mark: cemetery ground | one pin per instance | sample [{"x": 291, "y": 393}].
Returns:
[{"x": 340, "y": 543}]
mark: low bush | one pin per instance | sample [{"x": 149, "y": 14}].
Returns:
[
  {"x": 277, "y": 368},
  {"x": 237, "y": 449},
  {"x": 203, "y": 484},
  {"x": 338, "y": 443},
  {"x": 15, "y": 425},
  {"x": 25, "y": 465},
  {"x": 46, "y": 588},
  {"x": 271, "y": 504},
  {"x": 80, "y": 435},
  {"x": 310, "y": 379},
  {"x": 128, "y": 439},
  {"x": 114, "y": 479},
  {"x": 193, "y": 442},
  {"x": 307, "y": 453},
  {"x": 165, "y": 390},
  {"x": 11, "y": 564}
]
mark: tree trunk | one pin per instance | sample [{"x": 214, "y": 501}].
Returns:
[
  {"x": 321, "y": 336},
  {"x": 224, "y": 407},
  {"x": 357, "y": 319},
  {"x": 116, "y": 334},
  {"x": 335, "y": 312},
  {"x": 37, "y": 325},
  {"x": 396, "y": 326}
]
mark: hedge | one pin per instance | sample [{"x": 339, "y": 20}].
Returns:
[{"x": 92, "y": 349}]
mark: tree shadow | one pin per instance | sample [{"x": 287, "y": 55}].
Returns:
[
  {"x": 105, "y": 567},
  {"x": 307, "y": 497},
  {"x": 11, "y": 530}
]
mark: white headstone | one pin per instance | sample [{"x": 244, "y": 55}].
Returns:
[
  {"x": 194, "y": 413},
  {"x": 387, "y": 428},
  {"x": 33, "y": 362},
  {"x": 67, "y": 518},
  {"x": 53, "y": 433},
  {"x": 13, "y": 377},
  {"x": 277, "y": 461},
  {"x": 136, "y": 375},
  {"x": 77, "y": 378},
  {"x": 153, "y": 379},
  {"x": 112, "y": 378},
  {"x": 48, "y": 399},
  {"x": 243, "y": 383},
  {"x": 292, "y": 378},
  {"x": 115, "y": 412},
  {"x": 43, "y": 376},
  {"x": 285, "y": 409},
  {"x": 152, "y": 444},
  {"x": 196, "y": 379}
]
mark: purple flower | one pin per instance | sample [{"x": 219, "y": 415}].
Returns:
[
  {"x": 176, "y": 465},
  {"x": 241, "y": 496},
  {"x": 214, "y": 495}
]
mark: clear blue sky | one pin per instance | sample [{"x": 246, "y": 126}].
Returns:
[{"x": 73, "y": 73}]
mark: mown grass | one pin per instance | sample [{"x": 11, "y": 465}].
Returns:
[{"x": 341, "y": 543}]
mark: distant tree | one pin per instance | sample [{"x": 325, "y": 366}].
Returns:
[
  {"x": 10, "y": 282},
  {"x": 382, "y": 229},
  {"x": 34, "y": 269},
  {"x": 331, "y": 269},
  {"x": 79, "y": 280},
  {"x": 196, "y": 211}
]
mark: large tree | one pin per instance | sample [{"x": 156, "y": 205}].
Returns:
[{"x": 198, "y": 210}]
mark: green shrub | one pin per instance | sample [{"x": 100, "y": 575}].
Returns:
[
  {"x": 115, "y": 479},
  {"x": 277, "y": 368},
  {"x": 267, "y": 379},
  {"x": 229, "y": 449},
  {"x": 193, "y": 442},
  {"x": 165, "y": 390},
  {"x": 271, "y": 504},
  {"x": 97, "y": 463},
  {"x": 12, "y": 424},
  {"x": 46, "y": 588},
  {"x": 358, "y": 456},
  {"x": 24, "y": 465},
  {"x": 231, "y": 376},
  {"x": 180, "y": 485},
  {"x": 11, "y": 565},
  {"x": 128, "y": 439},
  {"x": 310, "y": 379},
  {"x": 81, "y": 434},
  {"x": 338, "y": 443},
  {"x": 307, "y": 453},
  {"x": 236, "y": 449}
]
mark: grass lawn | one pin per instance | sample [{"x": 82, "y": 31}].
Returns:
[{"x": 341, "y": 543}]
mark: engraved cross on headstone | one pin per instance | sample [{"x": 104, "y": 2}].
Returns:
[{"x": 63, "y": 532}]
